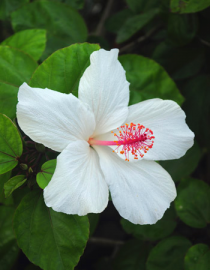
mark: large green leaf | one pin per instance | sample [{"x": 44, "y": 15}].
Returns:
[
  {"x": 168, "y": 254},
  {"x": 138, "y": 6},
  {"x": 188, "y": 6},
  {"x": 8, "y": 246},
  {"x": 181, "y": 62},
  {"x": 16, "y": 67},
  {"x": 63, "y": 70},
  {"x": 197, "y": 258},
  {"x": 30, "y": 41},
  {"x": 115, "y": 22},
  {"x": 77, "y": 4},
  {"x": 10, "y": 144},
  {"x": 3, "y": 179},
  {"x": 49, "y": 239},
  {"x": 148, "y": 80},
  {"x": 64, "y": 25},
  {"x": 197, "y": 96},
  {"x": 181, "y": 29},
  {"x": 183, "y": 166},
  {"x": 132, "y": 256},
  {"x": 13, "y": 183},
  {"x": 135, "y": 23},
  {"x": 193, "y": 203},
  {"x": 47, "y": 170},
  {"x": 164, "y": 227},
  {"x": 93, "y": 220},
  {"x": 7, "y": 6}
]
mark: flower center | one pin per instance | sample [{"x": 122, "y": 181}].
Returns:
[{"x": 131, "y": 139}]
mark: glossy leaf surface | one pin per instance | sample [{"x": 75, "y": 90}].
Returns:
[
  {"x": 63, "y": 70},
  {"x": 134, "y": 24},
  {"x": 64, "y": 25},
  {"x": 197, "y": 257},
  {"x": 168, "y": 254},
  {"x": 10, "y": 144},
  {"x": 47, "y": 170},
  {"x": 188, "y": 6},
  {"x": 8, "y": 246},
  {"x": 148, "y": 80},
  {"x": 13, "y": 183},
  {"x": 193, "y": 203},
  {"x": 30, "y": 41},
  {"x": 49, "y": 239},
  {"x": 16, "y": 67}
]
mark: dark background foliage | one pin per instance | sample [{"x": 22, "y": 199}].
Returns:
[{"x": 173, "y": 33}]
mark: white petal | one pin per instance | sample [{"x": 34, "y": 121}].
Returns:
[
  {"x": 78, "y": 185},
  {"x": 167, "y": 120},
  {"x": 52, "y": 118},
  {"x": 141, "y": 191},
  {"x": 104, "y": 88}
]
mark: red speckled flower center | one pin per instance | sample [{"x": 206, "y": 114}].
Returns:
[{"x": 131, "y": 139}]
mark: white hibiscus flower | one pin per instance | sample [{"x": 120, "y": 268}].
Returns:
[{"x": 97, "y": 134}]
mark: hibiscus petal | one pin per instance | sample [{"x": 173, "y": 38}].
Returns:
[
  {"x": 104, "y": 88},
  {"x": 52, "y": 118},
  {"x": 141, "y": 191},
  {"x": 78, "y": 185},
  {"x": 167, "y": 121}
]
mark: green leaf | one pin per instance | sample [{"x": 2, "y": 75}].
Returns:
[
  {"x": 134, "y": 24},
  {"x": 193, "y": 203},
  {"x": 10, "y": 145},
  {"x": 182, "y": 62},
  {"x": 197, "y": 258},
  {"x": 182, "y": 29},
  {"x": 3, "y": 179},
  {"x": 168, "y": 254},
  {"x": 132, "y": 256},
  {"x": 64, "y": 24},
  {"x": 148, "y": 80},
  {"x": 115, "y": 22},
  {"x": 197, "y": 96},
  {"x": 16, "y": 68},
  {"x": 7, "y": 6},
  {"x": 163, "y": 228},
  {"x": 30, "y": 41},
  {"x": 188, "y": 6},
  {"x": 77, "y": 4},
  {"x": 47, "y": 170},
  {"x": 49, "y": 239},
  {"x": 139, "y": 6},
  {"x": 102, "y": 42},
  {"x": 8, "y": 246},
  {"x": 13, "y": 183},
  {"x": 93, "y": 220},
  {"x": 72, "y": 62},
  {"x": 183, "y": 166}
]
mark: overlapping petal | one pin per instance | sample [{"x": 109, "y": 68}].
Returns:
[
  {"x": 78, "y": 185},
  {"x": 167, "y": 120},
  {"x": 52, "y": 118},
  {"x": 104, "y": 88},
  {"x": 141, "y": 191}
]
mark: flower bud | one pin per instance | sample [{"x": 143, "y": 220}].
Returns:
[{"x": 23, "y": 166}]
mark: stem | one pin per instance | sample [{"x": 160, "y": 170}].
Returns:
[
  {"x": 104, "y": 241},
  {"x": 105, "y": 15}
]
